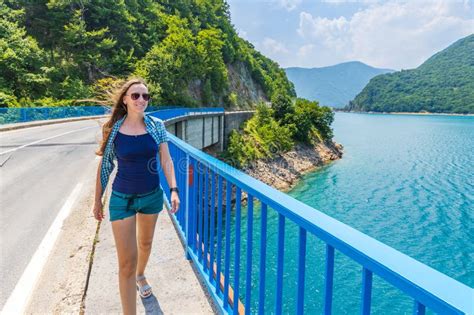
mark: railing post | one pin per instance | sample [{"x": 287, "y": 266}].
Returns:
[
  {"x": 301, "y": 271},
  {"x": 200, "y": 209},
  {"x": 366, "y": 291},
  {"x": 248, "y": 284},
  {"x": 238, "y": 196},
  {"x": 329, "y": 279},
  {"x": 219, "y": 233},
  {"x": 280, "y": 260},
  {"x": 228, "y": 209},
  {"x": 188, "y": 212},
  {"x": 418, "y": 308},
  {"x": 263, "y": 256},
  {"x": 212, "y": 228},
  {"x": 206, "y": 221}
]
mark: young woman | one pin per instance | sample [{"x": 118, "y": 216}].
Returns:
[{"x": 135, "y": 140}]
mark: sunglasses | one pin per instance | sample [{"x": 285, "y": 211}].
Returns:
[{"x": 136, "y": 96}]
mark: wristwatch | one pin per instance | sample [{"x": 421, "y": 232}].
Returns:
[{"x": 174, "y": 189}]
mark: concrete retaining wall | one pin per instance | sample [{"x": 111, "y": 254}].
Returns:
[
  {"x": 233, "y": 120},
  {"x": 200, "y": 131}
]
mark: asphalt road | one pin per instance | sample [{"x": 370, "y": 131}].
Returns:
[{"x": 36, "y": 178}]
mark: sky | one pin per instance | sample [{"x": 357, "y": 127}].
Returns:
[{"x": 390, "y": 34}]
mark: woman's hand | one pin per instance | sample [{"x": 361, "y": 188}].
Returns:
[
  {"x": 174, "y": 202},
  {"x": 168, "y": 168},
  {"x": 98, "y": 210}
]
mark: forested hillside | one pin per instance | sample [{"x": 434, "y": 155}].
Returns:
[
  {"x": 442, "y": 84},
  {"x": 57, "y": 52}
]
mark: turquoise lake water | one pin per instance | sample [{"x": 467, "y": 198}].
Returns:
[{"x": 404, "y": 180}]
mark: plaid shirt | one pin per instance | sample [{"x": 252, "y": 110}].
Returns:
[{"x": 154, "y": 126}]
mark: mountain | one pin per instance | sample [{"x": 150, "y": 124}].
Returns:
[
  {"x": 61, "y": 52},
  {"x": 442, "y": 84},
  {"x": 335, "y": 85}
]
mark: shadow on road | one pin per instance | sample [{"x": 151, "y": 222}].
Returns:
[{"x": 152, "y": 306}]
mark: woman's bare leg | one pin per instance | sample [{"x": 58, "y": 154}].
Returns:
[
  {"x": 126, "y": 244},
  {"x": 146, "y": 229}
]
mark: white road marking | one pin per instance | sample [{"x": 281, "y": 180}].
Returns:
[
  {"x": 4, "y": 160},
  {"x": 41, "y": 140},
  {"x": 20, "y": 296}
]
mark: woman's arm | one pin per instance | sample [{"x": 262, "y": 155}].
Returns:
[
  {"x": 98, "y": 207},
  {"x": 168, "y": 168}
]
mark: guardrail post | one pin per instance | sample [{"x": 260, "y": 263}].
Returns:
[
  {"x": 24, "y": 116},
  {"x": 419, "y": 309},
  {"x": 366, "y": 291},
  {"x": 188, "y": 213}
]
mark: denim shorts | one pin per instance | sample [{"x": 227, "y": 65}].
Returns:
[{"x": 122, "y": 205}]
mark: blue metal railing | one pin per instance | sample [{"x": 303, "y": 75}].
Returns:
[
  {"x": 211, "y": 188},
  {"x": 24, "y": 114},
  {"x": 166, "y": 114}
]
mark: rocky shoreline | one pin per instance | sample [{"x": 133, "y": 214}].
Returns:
[{"x": 284, "y": 171}]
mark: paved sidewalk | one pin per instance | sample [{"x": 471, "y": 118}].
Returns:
[{"x": 175, "y": 285}]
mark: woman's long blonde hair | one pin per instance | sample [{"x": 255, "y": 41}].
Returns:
[{"x": 119, "y": 109}]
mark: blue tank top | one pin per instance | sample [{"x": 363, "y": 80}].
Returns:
[{"x": 137, "y": 170}]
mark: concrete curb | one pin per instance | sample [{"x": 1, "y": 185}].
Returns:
[{"x": 37, "y": 123}]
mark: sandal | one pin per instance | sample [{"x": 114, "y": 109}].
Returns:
[{"x": 142, "y": 290}]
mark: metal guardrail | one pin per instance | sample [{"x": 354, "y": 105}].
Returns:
[
  {"x": 25, "y": 114},
  {"x": 166, "y": 114},
  {"x": 207, "y": 184}
]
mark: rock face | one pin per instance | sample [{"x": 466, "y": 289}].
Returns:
[
  {"x": 284, "y": 171},
  {"x": 241, "y": 82},
  {"x": 247, "y": 91}
]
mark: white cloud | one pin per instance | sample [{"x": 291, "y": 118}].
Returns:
[
  {"x": 306, "y": 50},
  {"x": 273, "y": 49},
  {"x": 350, "y": 1},
  {"x": 332, "y": 32},
  {"x": 394, "y": 34},
  {"x": 272, "y": 46},
  {"x": 336, "y": 2},
  {"x": 289, "y": 4}
]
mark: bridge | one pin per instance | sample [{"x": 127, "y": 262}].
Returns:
[
  {"x": 202, "y": 127},
  {"x": 228, "y": 219}
]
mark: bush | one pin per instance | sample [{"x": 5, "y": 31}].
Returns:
[
  {"x": 232, "y": 100},
  {"x": 8, "y": 100},
  {"x": 262, "y": 137},
  {"x": 283, "y": 107},
  {"x": 312, "y": 121},
  {"x": 265, "y": 136}
]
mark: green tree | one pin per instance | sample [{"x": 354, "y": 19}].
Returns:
[
  {"x": 282, "y": 106},
  {"x": 442, "y": 84},
  {"x": 261, "y": 137},
  {"x": 86, "y": 47},
  {"x": 312, "y": 121},
  {"x": 209, "y": 46},
  {"x": 184, "y": 48},
  {"x": 171, "y": 64},
  {"x": 22, "y": 62}
]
